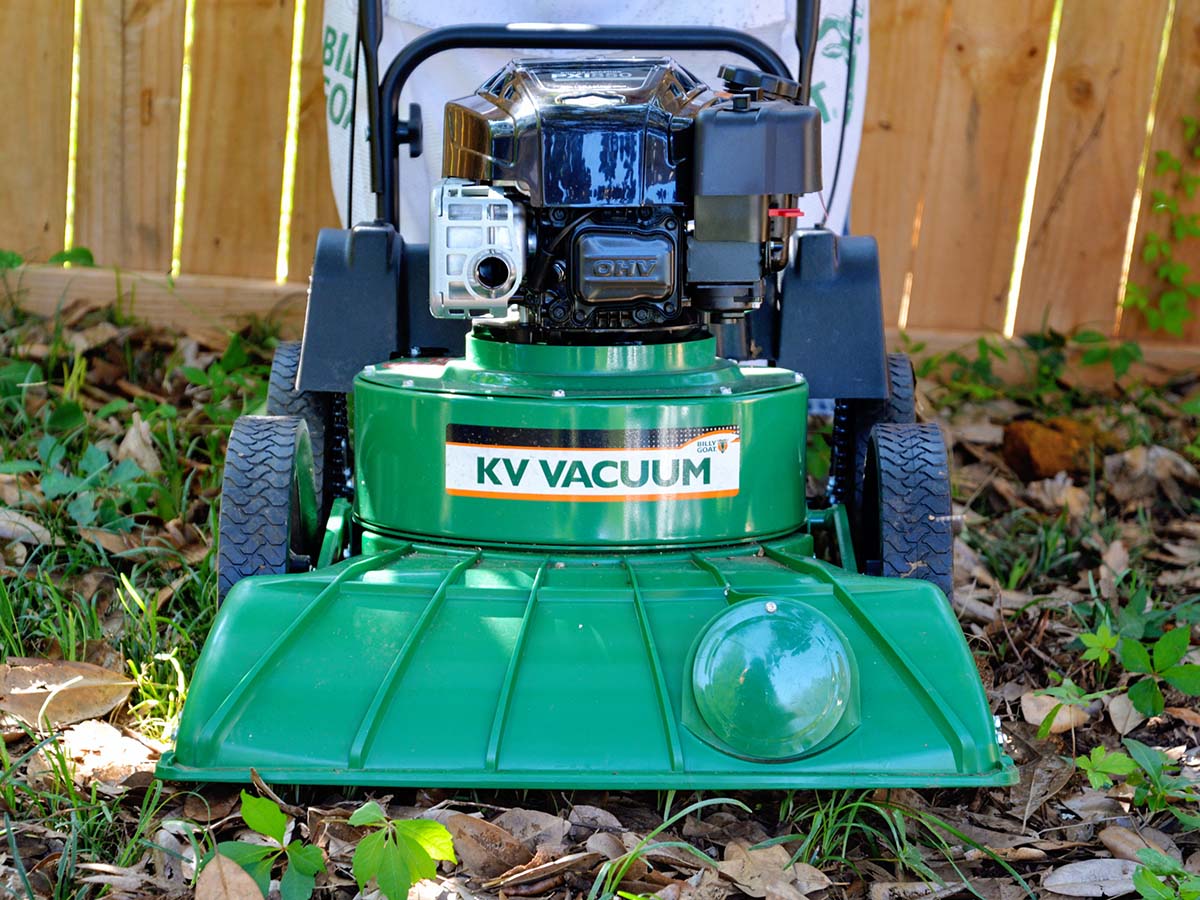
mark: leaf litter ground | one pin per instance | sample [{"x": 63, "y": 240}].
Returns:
[{"x": 1080, "y": 539}]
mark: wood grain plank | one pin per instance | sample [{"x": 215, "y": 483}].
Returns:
[
  {"x": 978, "y": 162},
  {"x": 153, "y": 67},
  {"x": 907, "y": 37},
  {"x": 35, "y": 72},
  {"x": 1099, "y": 99},
  {"x": 1178, "y": 97},
  {"x": 99, "y": 168},
  {"x": 241, "y": 57},
  {"x": 200, "y": 305},
  {"x": 313, "y": 206},
  {"x": 131, "y": 57}
]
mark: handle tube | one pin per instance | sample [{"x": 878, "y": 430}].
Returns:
[
  {"x": 536, "y": 37},
  {"x": 808, "y": 20}
]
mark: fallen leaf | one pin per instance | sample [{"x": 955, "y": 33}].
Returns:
[
  {"x": 1140, "y": 472},
  {"x": 1092, "y": 878},
  {"x": 593, "y": 818},
  {"x": 570, "y": 862},
  {"x": 1124, "y": 843},
  {"x": 138, "y": 445},
  {"x": 985, "y": 434},
  {"x": 765, "y": 872},
  {"x": 90, "y": 338},
  {"x": 1041, "y": 779},
  {"x": 1114, "y": 565},
  {"x": 1053, "y": 495},
  {"x": 1185, "y": 714},
  {"x": 534, "y": 828},
  {"x": 223, "y": 879},
  {"x": 606, "y": 844},
  {"x": 1009, "y": 854},
  {"x": 96, "y": 752},
  {"x": 211, "y": 802},
  {"x": 1036, "y": 707},
  {"x": 111, "y": 541},
  {"x": 1093, "y": 806},
  {"x": 1124, "y": 716},
  {"x": 485, "y": 849},
  {"x": 17, "y": 527},
  {"x": 59, "y": 692},
  {"x": 912, "y": 890}
]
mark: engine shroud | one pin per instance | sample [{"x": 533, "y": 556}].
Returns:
[
  {"x": 646, "y": 195},
  {"x": 572, "y": 133}
]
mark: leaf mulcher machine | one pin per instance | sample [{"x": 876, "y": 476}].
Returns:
[{"x": 572, "y": 548}]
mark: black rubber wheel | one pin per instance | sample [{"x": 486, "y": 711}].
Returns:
[
  {"x": 853, "y": 422},
  {"x": 284, "y": 400},
  {"x": 906, "y": 529},
  {"x": 269, "y": 514}
]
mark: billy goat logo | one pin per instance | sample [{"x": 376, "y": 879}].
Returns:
[{"x": 722, "y": 445}]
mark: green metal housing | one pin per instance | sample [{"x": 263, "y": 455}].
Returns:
[{"x": 522, "y": 608}]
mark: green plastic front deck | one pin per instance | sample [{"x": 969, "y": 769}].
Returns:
[{"x": 422, "y": 665}]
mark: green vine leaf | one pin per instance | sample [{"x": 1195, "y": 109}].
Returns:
[{"x": 263, "y": 816}]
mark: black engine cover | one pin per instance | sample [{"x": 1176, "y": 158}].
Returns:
[{"x": 582, "y": 134}]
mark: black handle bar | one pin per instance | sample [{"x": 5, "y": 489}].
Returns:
[{"x": 384, "y": 161}]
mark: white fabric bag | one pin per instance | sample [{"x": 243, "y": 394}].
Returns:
[{"x": 839, "y": 81}]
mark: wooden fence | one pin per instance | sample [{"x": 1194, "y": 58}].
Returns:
[{"x": 952, "y": 125}]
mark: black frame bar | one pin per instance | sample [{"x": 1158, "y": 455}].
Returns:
[{"x": 384, "y": 146}]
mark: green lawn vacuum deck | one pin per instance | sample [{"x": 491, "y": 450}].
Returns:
[
  {"x": 557, "y": 533},
  {"x": 753, "y": 667}
]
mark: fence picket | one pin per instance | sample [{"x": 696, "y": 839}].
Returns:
[
  {"x": 1179, "y": 96},
  {"x": 1099, "y": 99},
  {"x": 906, "y": 51},
  {"x": 241, "y": 60},
  {"x": 35, "y": 69},
  {"x": 978, "y": 160},
  {"x": 99, "y": 170}
]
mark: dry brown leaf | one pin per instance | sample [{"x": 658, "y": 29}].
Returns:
[
  {"x": 124, "y": 878},
  {"x": 1124, "y": 715},
  {"x": 765, "y": 872},
  {"x": 704, "y": 885},
  {"x": 15, "y": 526},
  {"x": 210, "y": 803},
  {"x": 912, "y": 890},
  {"x": 570, "y": 862},
  {"x": 223, "y": 879},
  {"x": 606, "y": 844},
  {"x": 533, "y": 828},
  {"x": 1185, "y": 578},
  {"x": 1092, "y": 878},
  {"x": 593, "y": 818},
  {"x": 96, "y": 752},
  {"x": 1113, "y": 566},
  {"x": 1041, "y": 779},
  {"x": 985, "y": 434},
  {"x": 1053, "y": 495},
  {"x": 676, "y": 857},
  {"x": 1185, "y": 714},
  {"x": 1139, "y": 473},
  {"x": 1124, "y": 843},
  {"x": 111, "y": 541},
  {"x": 91, "y": 338},
  {"x": 1035, "y": 708},
  {"x": 485, "y": 850},
  {"x": 138, "y": 445},
  {"x": 58, "y": 691}
]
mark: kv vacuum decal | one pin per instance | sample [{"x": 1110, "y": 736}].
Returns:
[{"x": 594, "y": 464}]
